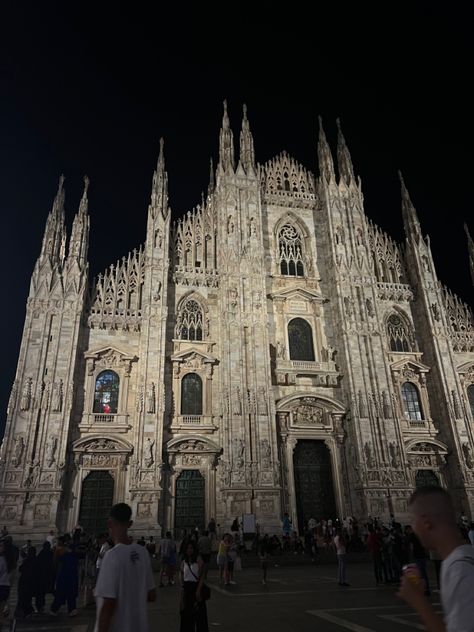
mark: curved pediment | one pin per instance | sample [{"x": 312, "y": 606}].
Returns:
[
  {"x": 192, "y": 444},
  {"x": 286, "y": 403},
  {"x": 99, "y": 443},
  {"x": 425, "y": 445}
]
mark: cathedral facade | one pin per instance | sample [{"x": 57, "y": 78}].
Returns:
[{"x": 271, "y": 351}]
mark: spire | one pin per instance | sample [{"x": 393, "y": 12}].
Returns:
[
  {"x": 226, "y": 144},
  {"x": 410, "y": 218},
  {"x": 210, "y": 188},
  {"x": 159, "y": 190},
  {"x": 247, "y": 152},
  {"x": 470, "y": 247},
  {"x": 79, "y": 242},
  {"x": 326, "y": 165},
  {"x": 54, "y": 238},
  {"x": 344, "y": 161}
]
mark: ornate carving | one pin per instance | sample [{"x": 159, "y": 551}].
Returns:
[
  {"x": 308, "y": 413},
  {"x": 148, "y": 452},
  {"x": 468, "y": 455},
  {"x": 49, "y": 451},
  {"x": 349, "y": 305},
  {"x": 25, "y": 402},
  {"x": 456, "y": 405},
  {"x": 151, "y": 398},
  {"x": 193, "y": 445},
  {"x": 140, "y": 398},
  {"x": 394, "y": 451},
  {"x": 281, "y": 352},
  {"x": 238, "y": 448},
  {"x": 237, "y": 402},
  {"x": 370, "y": 307},
  {"x": 330, "y": 353},
  {"x": 262, "y": 404},
  {"x": 387, "y": 405},
  {"x": 100, "y": 444},
  {"x": 57, "y": 399},
  {"x": 18, "y": 448},
  {"x": 191, "y": 459},
  {"x": 42, "y": 512},
  {"x": 369, "y": 457},
  {"x": 33, "y": 477},
  {"x": 12, "y": 399},
  {"x": 266, "y": 453}
]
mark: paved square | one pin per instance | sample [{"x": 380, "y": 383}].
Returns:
[{"x": 296, "y": 599}]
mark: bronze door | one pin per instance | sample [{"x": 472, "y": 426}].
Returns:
[
  {"x": 97, "y": 499},
  {"x": 313, "y": 482},
  {"x": 426, "y": 478},
  {"x": 189, "y": 502}
]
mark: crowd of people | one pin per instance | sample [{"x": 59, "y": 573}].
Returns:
[{"x": 114, "y": 564}]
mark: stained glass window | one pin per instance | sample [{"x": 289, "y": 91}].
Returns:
[
  {"x": 398, "y": 334},
  {"x": 411, "y": 402},
  {"x": 191, "y": 394},
  {"x": 300, "y": 339},
  {"x": 190, "y": 321},
  {"x": 290, "y": 251},
  {"x": 106, "y": 393}
]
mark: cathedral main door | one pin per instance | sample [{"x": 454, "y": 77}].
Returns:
[
  {"x": 313, "y": 482},
  {"x": 189, "y": 501},
  {"x": 426, "y": 478},
  {"x": 97, "y": 498}
]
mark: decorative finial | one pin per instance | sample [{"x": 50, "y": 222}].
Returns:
[
  {"x": 245, "y": 111},
  {"x": 61, "y": 182},
  {"x": 86, "y": 184}
]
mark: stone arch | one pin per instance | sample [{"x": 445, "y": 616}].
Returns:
[
  {"x": 292, "y": 246},
  {"x": 285, "y": 402},
  {"x": 115, "y": 443},
  {"x": 196, "y": 325},
  {"x": 409, "y": 445},
  {"x": 409, "y": 334}
]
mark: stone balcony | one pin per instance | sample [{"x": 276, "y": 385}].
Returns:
[
  {"x": 100, "y": 422},
  {"x": 290, "y": 372},
  {"x": 184, "y": 423}
]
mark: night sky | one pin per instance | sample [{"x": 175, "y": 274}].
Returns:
[{"x": 89, "y": 89}]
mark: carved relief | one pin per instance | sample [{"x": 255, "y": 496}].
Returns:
[
  {"x": 42, "y": 512},
  {"x": 394, "y": 451},
  {"x": 362, "y": 405},
  {"x": 237, "y": 402},
  {"x": 369, "y": 456},
  {"x": 238, "y": 447},
  {"x": 50, "y": 450},
  {"x": 308, "y": 413},
  {"x": 26, "y": 395},
  {"x": 468, "y": 455},
  {"x": 151, "y": 398},
  {"x": 281, "y": 352},
  {"x": 18, "y": 449},
  {"x": 100, "y": 444},
  {"x": 262, "y": 404},
  {"x": 57, "y": 399},
  {"x": 266, "y": 453},
  {"x": 387, "y": 407},
  {"x": 148, "y": 452},
  {"x": 140, "y": 399},
  {"x": 13, "y": 396}
]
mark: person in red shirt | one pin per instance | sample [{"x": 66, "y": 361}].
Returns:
[{"x": 375, "y": 549}]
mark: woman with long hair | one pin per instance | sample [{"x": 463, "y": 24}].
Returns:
[{"x": 192, "y": 606}]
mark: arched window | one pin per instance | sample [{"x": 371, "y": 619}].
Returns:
[
  {"x": 290, "y": 251},
  {"x": 190, "y": 321},
  {"x": 411, "y": 402},
  {"x": 470, "y": 397},
  {"x": 191, "y": 394},
  {"x": 300, "y": 339},
  {"x": 398, "y": 335},
  {"x": 106, "y": 393}
]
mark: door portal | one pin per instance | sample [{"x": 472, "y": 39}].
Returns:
[
  {"x": 97, "y": 498},
  {"x": 313, "y": 482},
  {"x": 189, "y": 502},
  {"x": 426, "y": 478}
]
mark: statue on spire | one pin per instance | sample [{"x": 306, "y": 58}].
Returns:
[
  {"x": 344, "y": 160},
  {"x": 226, "y": 144},
  {"x": 409, "y": 215},
  {"x": 159, "y": 190},
  {"x": 326, "y": 165},
  {"x": 247, "y": 152}
]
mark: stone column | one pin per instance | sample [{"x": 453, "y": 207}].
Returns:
[{"x": 290, "y": 447}]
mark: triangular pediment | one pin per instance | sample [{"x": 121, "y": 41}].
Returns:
[
  {"x": 304, "y": 293},
  {"x": 466, "y": 367},
  {"x": 112, "y": 352},
  {"x": 408, "y": 363},
  {"x": 193, "y": 356}
]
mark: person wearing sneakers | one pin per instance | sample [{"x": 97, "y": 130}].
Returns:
[{"x": 125, "y": 582}]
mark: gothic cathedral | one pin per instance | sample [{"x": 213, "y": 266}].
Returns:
[{"x": 273, "y": 350}]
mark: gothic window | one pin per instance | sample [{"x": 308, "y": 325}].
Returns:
[
  {"x": 470, "y": 397},
  {"x": 290, "y": 251},
  {"x": 191, "y": 394},
  {"x": 411, "y": 402},
  {"x": 398, "y": 335},
  {"x": 300, "y": 339},
  {"x": 106, "y": 393},
  {"x": 190, "y": 321}
]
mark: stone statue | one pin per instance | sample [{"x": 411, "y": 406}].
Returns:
[
  {"x": 12, "y": 400},
  {"x": 387, "y": 406},
  {"x": 435, "y": 310},
  {"x": 49, "y": 451},
  {"x": 18, "y": 447},
  {"x": 348, "y": 302},
  {"x": 57, "y": 396},
  {"x": 237, "y": 402},
  {"x": 151, "y": 398},
  {"x": 266, "y": 453},
  {"x": 394, "y": 454},
  {"x": 230, "y": 225},
  {"x": 34, "y": 475},
  {"x": 468, "y": 455},
  {"x": 369, "y": 459},
  {"x": 139, "y": 403},
  {"x": 280, "y": 350},
  {"x": 252, "y": 227},
  {"x": 238, "y": 447},
  {"x": 331, "y": 352},
  {"x": 262, "y": 401},
  {"x": 26, "y": 396},
  {"x": 362, "y": 405},
  {"x": 369, "y": 307},
  {"x": 148, "y": 452},
  {"x": 45, "y": 396}
]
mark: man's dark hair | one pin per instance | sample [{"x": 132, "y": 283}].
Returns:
[
  {"x": 427, "y": 491},
  {"x": 121, "y": 513}
]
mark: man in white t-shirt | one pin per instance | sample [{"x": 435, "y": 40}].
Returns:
[
  {"x": 125, "y": 582},
  {"x": 434, "y": 522}
]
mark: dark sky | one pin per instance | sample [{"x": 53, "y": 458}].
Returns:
[{"x": 90, "y": 88}]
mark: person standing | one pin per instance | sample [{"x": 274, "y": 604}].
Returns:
[
  {"x": 26, "y": 585},
  {"x": 205, "y": 550},
  {"x": 192, "y": 608},
  {"x": 340, "y": 544},
  {"x": 125, "y": 582},
  {"x": 67, "y": 581},
  {"x": 104, "y": 546},
  {"x": 44, "y": 576},
  {"x": 434, "y": 522},
  {"x": 374, "y": 546},
  {"x": 263, "y": 552}
]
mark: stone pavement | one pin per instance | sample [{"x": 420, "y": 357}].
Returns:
[{"x": 295, "y": 599}]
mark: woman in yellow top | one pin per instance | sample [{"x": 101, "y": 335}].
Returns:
[{"x": 222, "y": 557}]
